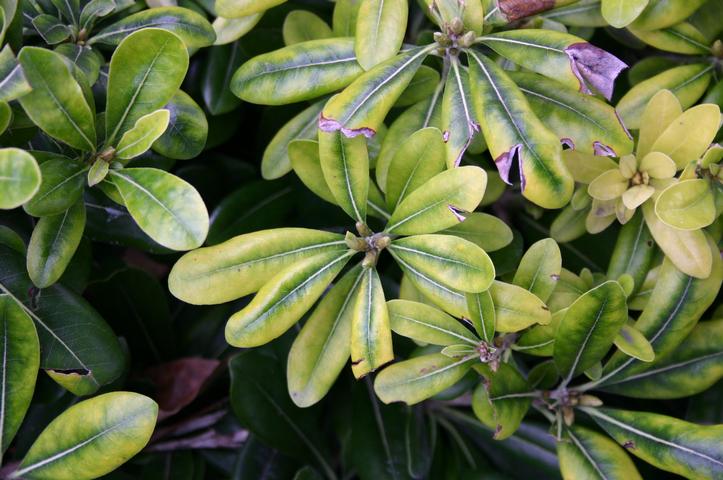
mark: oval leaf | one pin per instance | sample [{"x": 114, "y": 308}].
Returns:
[{"x": 20, "y": 177}]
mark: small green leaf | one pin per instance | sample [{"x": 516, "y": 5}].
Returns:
[
  {"x": 167, "y": 208},
  {"x": 51, "y": 29},
  {"x": 61, "y": 187},
  {"x": 633, "y": 343},
  {"x": 91, "y": 438},
  {"x": 621, "y": 13},
  {"x": 284, "y": 299},
  {"x": 584, "y": 453},
  {"x": 501, "y": 400},
  {"x": 371, "y": 335},
  {"x": 380, "y": 28},
  {"x": 481, "y": 309},
  {"x": 516, "y": 308},
  {"x": 53, "y": 244},
  {"x": 185, "y": 137},
  {"x": 345, "y": 165},
  {"x": 486, "y": 231},
  {"x": 139, "y": 139},
  {"x": 427, "y": 324},
  {"x": 417, "y": 379},
  {"x": 540, "y": 268},
  {"x": 20, "y": 177},
  {"x": 298, "y": 72},
  {"x": 302, "y": 26},
  {"x": 689, "y": 136},
  {"x": 687, "y": 205},
  {"x": 19, "y": 367},
  {"x": 588, "y": 329}
]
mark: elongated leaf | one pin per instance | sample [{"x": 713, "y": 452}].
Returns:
[
  {"x": 458, "y": 118},
  {"x": 53, "y": 244},
  {"x": 380, "y": 28},
  {"x": 304, "y": 156},
  {"x": 20, "y": 362},
  {"x": 664, "y": 13},
  {"x": 417, "y": 379},
  {"x": 360, "y": 109},
  {"x": 501, "y": 400},
  {"x": 681, "y": 38},
  {"x": 302, "y": 26},
  {"x": 51, "y": 29},
  {"x": 298, "y": 72},
  {"x": 185, "y": 137},
  {"x": 345, "y": 165},
  {"x": 223, "y": 61},
  {"x": 540, "y": 339},
  {"x": 191, "y": 27},
  {"x": 482, "y": 314},
  {"x": 243, "y": 8},
  {"x": 20, "y": 177},
  {"x": 516, "y": 308},
  {"x": 146, "y": 70},
  {"x": 61, "y": 187},
  {"x": 13, "y": 83},
  {"x": 139, "y": 139},
  {"x": 229, "y": 30},
  {"x": 371, "y": 335},
  {"x": 512, "y": 130},
  {"x": 589, "y": 123},
  {"x": 588, "y": 329},
  {"x": 284, "y": 299},
  {"x": 633, "y": 253},
  {"x": 449, "y": 260},
  {"x": 427, "y": 324},
  {"x": 243, "y": 264},
  {"x": 486, "y": 231},
  {"x": 434, "y": 205},
  {"x": 57, "y": 103},
  {"x": 621, "y": 13},
  {"x": 691, "y": 368},
  {"x": 167, "y": 208},
  {"x": 322, "y": 347},
  {"x": 670, "y": 444},
  {"x": 91, "y": 438},
  {"x": 585, "y": 453},
  {"x": 540, "y": 268}
]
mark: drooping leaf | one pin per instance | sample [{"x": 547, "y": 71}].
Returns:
[
  {"x": 371, "y": 334},
  {"x": 380, "y": 29},
  {"x": 427, "y": 324},
  {"x": 501, "y": 400},
  {"x": 20, "y": 177},
  {"x": 540, "y": 268},
  {"x": 345, "y": 165},
  {"x": 584, "y": 453}
]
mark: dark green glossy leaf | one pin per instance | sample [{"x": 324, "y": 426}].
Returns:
[
  {"x": 61, "y": 187},
  {"x": 187, "y": 130},
  {"x": 501, "y": 400}
]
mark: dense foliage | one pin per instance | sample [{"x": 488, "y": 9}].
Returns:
[{"x": 453, "y": 239}]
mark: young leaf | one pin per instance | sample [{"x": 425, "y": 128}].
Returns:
[
  {"x": 446, "y": 259},
  {"x": 434, "y": 205},
  {"x": 57, "y": 103},
  {"x": 322, "y": 347},
  {"x": 371, "y": 335},
  {"x": 512, "y": 130},
  {"x": 185, "y": 137},
  {"x": 588, "y": 329},
  {"x": 417, "y": 379},
  {"x": 284, "y": 299},
  {"x": 517, "y": 308},
  {"x": 345, "y": 165},
  {"x": 53, "y": 244},
  {"x": 19, "y": 367},
  {"x": 584, "y": 453},
  {"x": 167, "y": 208},
  {"x": 482, "y": 314},
  {"x": 20, "y": 177},
  {"x": 302, "y": 26},
  {"x": 380, "y": 28},
  {"x": 689, "y": 136},
  {"x": 62, "y": 185},
  {"x": 298, "y": 72},
  {"x": 243, "y": 264},
  {"x": 424, "y": 323},
  {"x": 501, "y": 400},
  {"x": 540, "y": 268},
  {"x": 139, "y": 139},
  {"x": 670, "y": 444},
  {"x": 145, "y": 72},
  {"x": 91, "y": 438}
]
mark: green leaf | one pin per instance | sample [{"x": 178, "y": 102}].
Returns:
[
  {"x": 458, "y": 118},
  {"x": 427, "y": 324},
  {"x": 6, "y": 116},
  {"x": 91, "y": 438},
  {"x": 689, "y": 136},
  {"x": 344, "y": 17},
  {"x": 687, "y": 205},
  {"x": 371, "y": 335},
  {"x": 243, "y": 264},
  {"x": 589, "y": 123},
  {"x": 673, "y": 445},
  {"x": 482, "y": 314},
  {"x": 486, "y": 231},
  {"x": 139, "y": 139},
  {"x": 360, "y": 109},
  {"x": 146, "y": 70},
  {"x": 13, "y": 82},
  {"x": 322, "y": 347},
  {"x": 587, "y": 330},
  {"x": 380, "y": 29},
  {"x": 223, "y": 61},
  {"x": 298, "y": 72},
  {"x": 302, "y": 26},
  {"x": 687, "y": 249},
  {"x": 84, "y": 57},
  {"x": 419, "y": 158},
  {"x": 276, "y": 161},
  {"x": 187, "y": 130},
  {"x": 516, "y": 308},
  {"x": 345, "y": 165},
  {"x": 51, "y": 29},
  {"x": 512, "y": 130},
  {"x": 687, "y": 82},
  {"x": 540, "y": 268},
  {"x": 446, "y": 259},
  {"x": 664, "y": 13},
  {"x": 434, "y": 205},
  {"x": 682, "y": 38},
  {"x": 19, "y": 367},
  {"x": 633, "y": 343},
  {"x": 78, "y": 349},
  {"x": 229, "y": 30},
  {"x": 304, "y": 156},
  {"x": 693, "y": 367},
  {"x": 167, "y": 208},
  {"x": 633, "y": 253},
  {"x": 417, "y": 379},
  {"x": 191, "y": 27},
  {"x": 501, "y": 400},
  {"x": 585, "y": 453},
  {"x": 284, "y": 299},
  {"x": 56, "y": 104},
  {"x": 424, "y": 83},
  {"x": 243, "y": 8},
  {"x": 61, "y": 187},
  {"x": 53, "y": 243},
  {"x": 540, "y": 339},
  {"x": 20, "y": 177},
  {"x": 621, "y": 13}
]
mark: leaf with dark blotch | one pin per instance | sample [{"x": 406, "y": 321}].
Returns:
[{"x": 179, "y": 382}]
